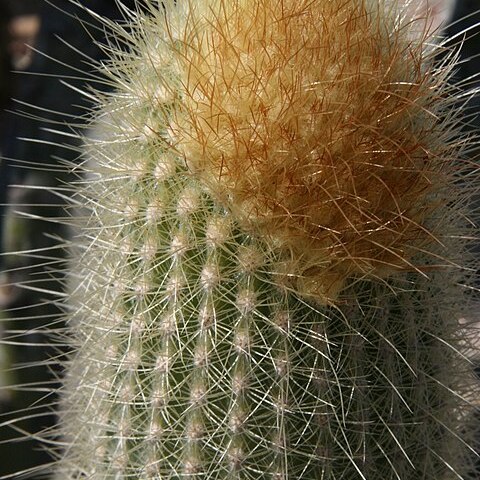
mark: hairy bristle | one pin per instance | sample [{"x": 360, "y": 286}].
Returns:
[{"x": 329, "y": 142}]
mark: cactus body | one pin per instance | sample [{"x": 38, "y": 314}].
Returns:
[{"x": 271, "y": 280}]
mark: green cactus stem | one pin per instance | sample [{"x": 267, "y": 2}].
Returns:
[{"x": 270, "y": 284}]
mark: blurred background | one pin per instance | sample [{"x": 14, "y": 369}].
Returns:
[{"x": 47, "y": 56}]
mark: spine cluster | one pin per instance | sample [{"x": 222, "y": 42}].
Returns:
[{"x": 270, "y": 283}]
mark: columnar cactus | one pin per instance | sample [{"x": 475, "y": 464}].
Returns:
[{"x": 271, "y": 281}]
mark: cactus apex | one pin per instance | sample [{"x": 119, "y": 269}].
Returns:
[{"x": 329, "y": 144}]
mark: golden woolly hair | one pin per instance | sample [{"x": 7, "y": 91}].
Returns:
[{"x": 327, "y": 143}]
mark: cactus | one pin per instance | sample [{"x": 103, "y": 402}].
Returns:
[{"x": 271, "y": 280}]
